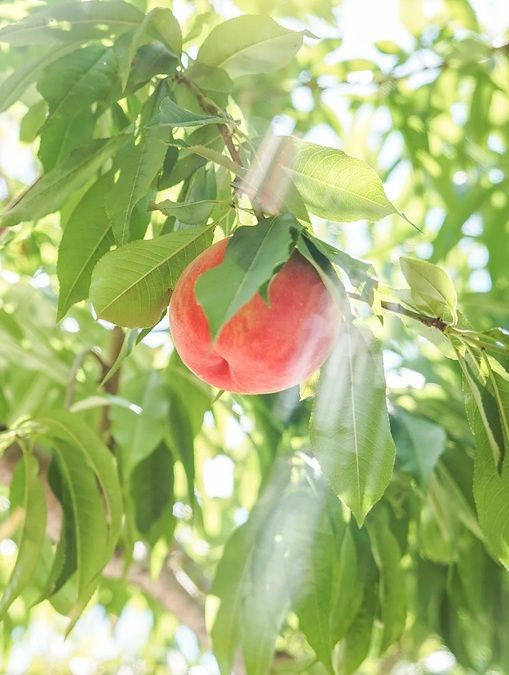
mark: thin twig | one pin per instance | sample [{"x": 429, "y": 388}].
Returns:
[
  {"x": 396, "y": 308},
  {"x": 210, "y": 107}
]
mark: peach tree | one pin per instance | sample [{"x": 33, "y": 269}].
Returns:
[{"x": 359, "y": 517}]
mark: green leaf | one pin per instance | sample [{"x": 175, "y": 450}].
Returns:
[
  {"x": 336, "y": 186},
  {"x": 496, "y": 384},
  {"x": 211, "y": 79},
  {"x": 462, "y": 503},
  {"x": 65, "y": 559},
  {"x": 185, "y": 420},
  {"x": 252, "y": 255},
  {"x": 88, "y": 450},
  {"x": 88, "y": 470},
  {"x": 72, "y": 22},
  {"x": 265, "y": 563},
  {"x": 358, "y": 638},
  {"x": 194, "y": 213},
  {"x": 439, "y": 526},
  {"x": 498, "y": 336},
  {"x": 87, "y": 237},
  {"x": 149, "y": 60},
  {"x": 152, "y": 490},
  {"x": 70, "y": 86},
  {"x": 348, "y": 589},
  {"x": 486, "y": 406},
  {"x": 163, "y": 26},
  {"x": 266, "y": 600},
  {"x": 50, "y": 191},
  {"x": 266, "y": 182},
  {"x": 419, "y": 444},
  {"x": 136, "y": 168},
  {"x": 33, "y": 121},
  {"x": 132, "y": 285},
  {"x": 324, "y": 268},
  {"x": 139, "y": 434},
  {"x": 171, "y": 115},
  {"x": 491, "y": 487},
  {"x": 180, "y": 166},
  {"x": 387, "y": 556},
  {"x": 158, "y": 24},
  {"x": 313, "y": 574},
  {"x": 358, "y": 271},
  {"x": 180, "y": 436},
  {"x": 217, "y": 157},
  {"x": 33, "y": 505},
  {"x": 233, "y": 576},
  {"x": 249, "y": 45},
  {"x": 15, "y": 85},
  {"x": 350, "y": 425},
  {"x": 63, "y": 135},
  {"x": 431, "y": 287}
]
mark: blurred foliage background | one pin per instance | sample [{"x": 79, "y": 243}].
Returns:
[{"x": 417, "y": 88}]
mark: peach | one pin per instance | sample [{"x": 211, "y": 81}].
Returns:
[{"x": 264, "y": 347}]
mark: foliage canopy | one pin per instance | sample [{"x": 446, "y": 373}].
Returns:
[{"x": 339, "y": 527}]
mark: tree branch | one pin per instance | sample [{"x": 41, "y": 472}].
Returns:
[
  {"x": 396, "y": 308},
  {"x": 209, "y": 107},
  {"x": 168, "y": 591}
]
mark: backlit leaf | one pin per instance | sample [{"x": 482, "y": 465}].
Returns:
[
  {"x": 14, "y": 86},
  {"x": 347, "y": 590},
  {"x": 72, "y": 22},
  {"x": 32, "y": 504},
  {"x": 350, "y": 424},
  {"x": 139, "y": 434},
  {"x": 336, "y": 186},
  {"x": 194, "y": 213},
  {"x": 431, "y": 287},
  {"x": 249, "y": 44},
  {"x": 132, "y": 285},
  {"x": 358, "y": 639},
  {"x": 92, "y": 452},
  {"x": 171, "y": 115},
  {"x": 51, "y": 190},
  {"x": 419, "y": 444},
  {"x": 137, "y": 166},
  {"x": 158, "y": 24},
  {"x": 266, "y": 563},
  {"x": 491, "y": 485},
  {"x": 87, "y": 237},
  {"x": 387, "y": 556},
  {"x": 152, "y": 491},
  {"x": 70, "y": 86}
]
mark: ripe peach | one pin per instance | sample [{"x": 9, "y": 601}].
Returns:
[{"x": 264, "y": 347}]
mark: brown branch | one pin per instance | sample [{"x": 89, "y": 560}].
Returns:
[
  {"x": 168, "y": 591},
  {"x": 210, "y": 107},
  {"x": 431, "y": 321},
  {"x": 396, "y": 308}
]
